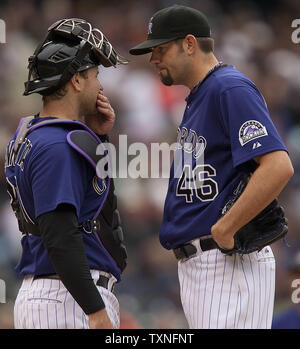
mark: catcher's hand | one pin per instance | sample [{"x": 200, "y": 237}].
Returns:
[{"x": 267, "y": 227}]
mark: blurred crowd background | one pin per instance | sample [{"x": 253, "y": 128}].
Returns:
[{"x": 254, "y": 36}]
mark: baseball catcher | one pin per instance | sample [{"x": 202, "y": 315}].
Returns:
[{"x": 72, "y": 239}]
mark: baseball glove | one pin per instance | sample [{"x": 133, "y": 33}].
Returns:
[{"x": 267, "y": 227}]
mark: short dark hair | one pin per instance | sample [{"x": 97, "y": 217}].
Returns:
[
  {"x": 62, "y": 91},
  {"x": 206, "y": 45}
]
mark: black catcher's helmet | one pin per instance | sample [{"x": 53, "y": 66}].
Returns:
[{"x": 71, "y": 45}]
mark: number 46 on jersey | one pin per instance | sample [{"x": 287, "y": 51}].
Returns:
[{"x": 199, "y": 182}]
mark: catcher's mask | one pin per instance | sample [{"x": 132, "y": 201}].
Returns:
[{"x": 71, "y": 46}]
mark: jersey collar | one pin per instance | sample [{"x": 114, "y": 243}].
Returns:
[{"x": 209, "y": 73}]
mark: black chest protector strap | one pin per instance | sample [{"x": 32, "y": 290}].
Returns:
[
  {"x": 107, "y": 223},
  {"x": 25, "y": 226}
]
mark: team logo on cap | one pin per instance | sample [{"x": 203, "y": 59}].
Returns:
[
  {"x": 251, "y": 129},
  {"x": 150, "y": 26}
]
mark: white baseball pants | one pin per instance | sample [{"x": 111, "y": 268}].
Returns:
[
  {"x": 234, "y": 292},
  {"x": 47, "y": 304}
]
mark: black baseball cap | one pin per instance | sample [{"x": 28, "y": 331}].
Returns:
[{"x": 172, "y": 23}]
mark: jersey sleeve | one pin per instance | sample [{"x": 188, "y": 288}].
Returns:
[
  {"x": 247, "y": 122},
  {"x": 58, "y": 176}
]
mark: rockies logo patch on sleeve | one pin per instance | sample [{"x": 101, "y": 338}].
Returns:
[{"x": 251, "y": 129}]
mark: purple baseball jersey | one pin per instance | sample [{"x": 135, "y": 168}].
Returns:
[
  {"x": 47, "y": 172},
  {"x": 226, "y": 124}
]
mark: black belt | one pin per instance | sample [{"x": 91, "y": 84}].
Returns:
[
  {"x": 187, "y": 250},
  {"x": 102, "y": 281}
]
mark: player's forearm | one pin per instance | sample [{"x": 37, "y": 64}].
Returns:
[
  {"x": 65, "y": 248},
  {"x": 266, "y": 183}
]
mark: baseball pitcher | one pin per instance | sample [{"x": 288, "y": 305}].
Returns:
[{"x": 221, "y": 212}]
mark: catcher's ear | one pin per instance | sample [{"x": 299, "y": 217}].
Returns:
[{"x": 76, "y": 82}]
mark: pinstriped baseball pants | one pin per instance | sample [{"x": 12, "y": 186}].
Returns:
[
  {"x": 234, "y": 292},
  {"x": 47, "y": 304}
]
